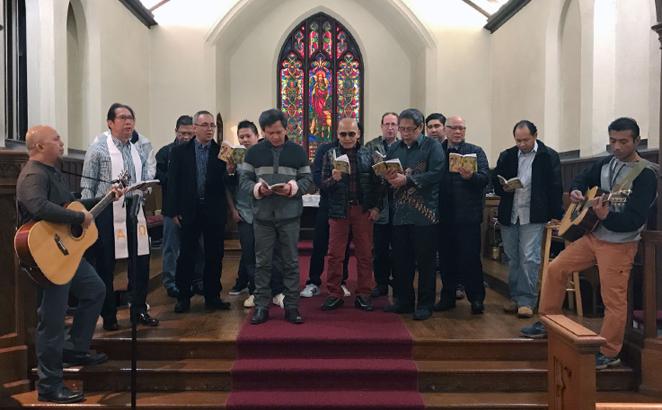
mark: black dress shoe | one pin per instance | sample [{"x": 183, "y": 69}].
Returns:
[
  {"x": 444, "y": 305},
  {"x": 363, "y": 303},
  {"x": 111, "y": 326},
  {"x": 332, "y": 303},
  {"x": 292, "y": 315},
  {"x": 173, "y": 292},
  {"x": 379, "y": 290},
  {"x": 62, "y": 395},
  {"x": 398, "y": 308},
  {"x": 216, "y": 304},
  {"x": 260, "y": 315},
  {"x": 477, "y": 308},
  {"x": 145, "y": 319},
  {"x": 422, "y": 314},
  {"x": 183, "y": 305},
  {"x": 91, "y": 358}
]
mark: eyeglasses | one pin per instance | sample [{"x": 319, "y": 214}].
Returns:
[
  {"x": 205, "y": 125},
  {"x": 435, "y": 126},
  {"x": 124, "y": 117},
  {"x": 390, "y": 125},
  {"x": 456, "y": 127},
  {"x": 344, "y": 134},
  {"x": 407, "y": 129}
]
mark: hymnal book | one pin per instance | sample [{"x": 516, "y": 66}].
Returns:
[
  {"x": 511, "y": 184},
  {"x": 274, "y": 186},
  {"x": 468, "y": 162},
  {"x": 341, "y": 163},
  {"x": 382, "y": 167},
  {"x": 232, "y": 153},
  {"x": 378, "y": 157}
]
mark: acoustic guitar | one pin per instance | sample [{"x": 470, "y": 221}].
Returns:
[
  {"x": 580, "y": 219},
  {"x": 50, "y": 252}
]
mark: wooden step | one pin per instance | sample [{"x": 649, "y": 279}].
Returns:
[
  {"x": 14, "y": 361},
  {"x": 479, "y": 349},
  {"x": 167, "y": 348},
  {"x": 15, "y": 387},
  {"x": 111, "y": 401},
  {"x": 505, "y": 376},
  {"x": 152, "y": 375}
]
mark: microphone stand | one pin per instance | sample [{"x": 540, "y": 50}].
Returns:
[{"x": 132, "y": 203}]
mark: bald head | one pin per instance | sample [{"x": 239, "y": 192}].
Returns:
[
  {"x": 44, "y": 144},
  {"x": 348, "y": 132},
  {"x": 455, "y": 129}
]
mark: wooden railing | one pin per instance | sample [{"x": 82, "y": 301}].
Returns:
[{"x": 651, "y": 353}]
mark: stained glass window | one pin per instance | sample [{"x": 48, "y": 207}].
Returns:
[{"x": 320, "y": 80}]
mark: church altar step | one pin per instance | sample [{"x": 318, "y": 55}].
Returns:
[
  {"x": 433, "y": 376},
  {"x": 193, "y": 400}
]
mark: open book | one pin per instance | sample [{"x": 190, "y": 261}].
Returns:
[
  {"x": 468, "y": 162},
  {"x": 511, "y": 184},
  {"x": 274, "y": 186},
  {"x": 382, "y": 167},
  {"x": 232, "y": 153},
  {"x": 341, "y": 163}
]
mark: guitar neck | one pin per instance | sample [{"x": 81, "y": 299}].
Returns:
[{"x": 101, "y": 205}]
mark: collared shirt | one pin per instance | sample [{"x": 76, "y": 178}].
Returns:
[
  {"x": 522, "y": 197},
  {"x": 353, "y": 180},
  {"x": 125, "y": 149},
  {"x": 201, "y": 159}
]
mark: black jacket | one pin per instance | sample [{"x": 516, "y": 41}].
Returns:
[
  {"x": 182, "y": 186},
  {"x": 162, "y": 162},
  {"x": 337, "y": 193},
  {"x": 461, "y": 201},
  {"x": 644, "y": 191},
  {"x": 546, "y": 184}
]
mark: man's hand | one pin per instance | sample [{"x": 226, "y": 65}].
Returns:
[
  {"x": 177, "y": 220},
  {"x": 373, "y": 214},
  {"x": 264, "y": 190},
  {"x": 601, "y": 208},
  {"x": 87, "y": 221},
  {"x": 230, "y": 168},
  {"x": 118, "y": 190},
  {"x": 576, "y": 196},
  {"x": 235, "y": 216},
  {"x": 395, "y": 178},
  {"x": 467, "y": 174},
  {"x": 283, "y": 190},
  {"x": 507, "y": 188},
  {"x": 336, "y": 175}
]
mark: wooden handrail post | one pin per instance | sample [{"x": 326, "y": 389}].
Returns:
[
  {"x": 571, "y": 352},
  {"x": 651, "y": 354}
]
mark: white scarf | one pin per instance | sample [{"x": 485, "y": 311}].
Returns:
[{"x": 119, "y": 213}]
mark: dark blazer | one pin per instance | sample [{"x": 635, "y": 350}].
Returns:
[
  {"x": 546, "y": 185},
  {"x": 162, "y": 162},
  {"x": 182, "y": 187}
]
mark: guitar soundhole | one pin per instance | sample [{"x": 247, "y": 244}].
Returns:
[{"x": 76, "y": 231}]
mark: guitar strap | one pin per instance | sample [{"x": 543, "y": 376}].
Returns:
[{"x": 626, "y": 182}]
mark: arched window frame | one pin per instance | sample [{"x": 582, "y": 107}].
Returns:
[{"x": 298, "y": 44}]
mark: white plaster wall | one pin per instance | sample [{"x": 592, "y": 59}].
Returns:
[{"x": 570, "y": 72}]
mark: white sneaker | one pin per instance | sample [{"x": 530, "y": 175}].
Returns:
[
  {"x": 345, "y": 291},
  {"x": 278, "y": 300},
  {"x": 310, "y": 290},
  {"x": 249, "y": 302}
]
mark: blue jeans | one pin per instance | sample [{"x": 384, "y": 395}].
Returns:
[
  {"x": 170, "y": 251},
  {"x": 522, "y": 244}
]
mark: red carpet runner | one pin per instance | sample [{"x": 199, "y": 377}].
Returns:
[{"x": 345, "y": 359}]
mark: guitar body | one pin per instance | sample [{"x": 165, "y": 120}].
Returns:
[
  {"x": 50, "y": 253},
  {"x": 579, "y": 219}
]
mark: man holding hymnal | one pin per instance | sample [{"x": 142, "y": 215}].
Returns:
[{"x": 528, "y": 180}]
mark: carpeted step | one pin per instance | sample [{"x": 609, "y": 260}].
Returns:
[
  {"x": 326, "y": 400},
  {"x": 376, "y": 348},
  {"x": 324, "y": 374}
]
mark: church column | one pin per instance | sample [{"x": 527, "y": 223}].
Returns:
[{"x": 658, "y": 29}]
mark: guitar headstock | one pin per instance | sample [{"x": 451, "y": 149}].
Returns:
[{"x": 122, "y": 179}]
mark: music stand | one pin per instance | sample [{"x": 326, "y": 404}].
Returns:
[{"x": 133, "y": 202}]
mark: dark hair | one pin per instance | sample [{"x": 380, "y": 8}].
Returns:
[
  {"x": 184, "y": 120},
  {"x": 247, "y": 124},
  {"x": 202, "y": 112},
  {"x": 625, "y": 124},
  {"x": 412, "y": 114},
  {"x": 111, "y": 111},
  {"x": 436, "y": 116},
  {"x": 390, "y": 113},
  {"x": 526, "y": 124},
  {"x": 272, "y": 116}
]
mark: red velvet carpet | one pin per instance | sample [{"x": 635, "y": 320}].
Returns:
[{"x": 344, "y": 359}]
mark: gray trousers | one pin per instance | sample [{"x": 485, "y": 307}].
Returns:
[
  {"x": 90, "y": 291},
  {"x": 283, "y": 235}
]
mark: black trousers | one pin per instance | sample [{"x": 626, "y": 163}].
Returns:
[
  {"x": 246, "y": 274},
  {"x": 102, "y": 256},
  {"x": 321, "y": 247},
  {"x": 415, "y": 248},
  {"x": 213, "y": 253},
  {"x": 382, "y": 263},
  {"x": 459, "y": 254}
]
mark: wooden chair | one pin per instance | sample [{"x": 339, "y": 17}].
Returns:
[{"x": 573, "y": 284}]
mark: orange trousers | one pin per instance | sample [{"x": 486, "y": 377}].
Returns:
[{"x": 614, "y": 262}]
